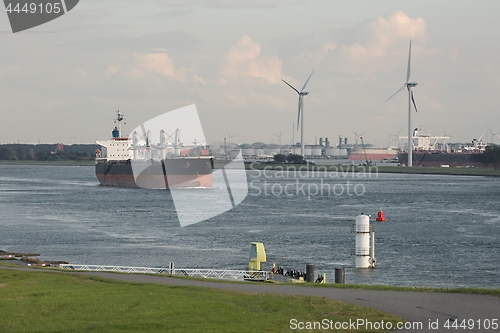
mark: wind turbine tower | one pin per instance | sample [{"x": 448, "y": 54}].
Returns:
[
  {"x": 408, "y": 86},
  {"x": 300, "y": 118}
]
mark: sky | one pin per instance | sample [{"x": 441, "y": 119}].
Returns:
[{"x": 63, "y": 81}]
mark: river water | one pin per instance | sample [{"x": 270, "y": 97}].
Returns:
[{"x": 441, "y": 231}]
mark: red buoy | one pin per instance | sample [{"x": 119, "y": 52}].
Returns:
[{"x": 380, "y": 216}]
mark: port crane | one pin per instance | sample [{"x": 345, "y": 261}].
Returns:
[{"x": 364, "y": 149}]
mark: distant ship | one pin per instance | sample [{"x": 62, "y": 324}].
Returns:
[
  {"x": 427, "y": 152},
  {"x": 372, "y": 154},
  {"x": 130, "y": 162}
]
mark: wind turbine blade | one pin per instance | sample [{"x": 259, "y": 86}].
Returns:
[
  {"x": 413, "y": 100},
  {"x": 305, "y": 84},
  {"x": 482, "y": 135},
  {"x": 290, "y": 86},
  {"x": 396, "y": 92},
  {"x": 444, "y": 131},
  {"x": 409, "y": 62},
  {"x": 300, "y": 109},
  {"x": 493, "y": 134}
]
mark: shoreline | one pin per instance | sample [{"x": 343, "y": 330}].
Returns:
[
  {"x": 257, "y": 166},
  {"x": 488, "y": 172},
  {"x": 495, "y": 292},
  {"x": 48, "y": 163}
]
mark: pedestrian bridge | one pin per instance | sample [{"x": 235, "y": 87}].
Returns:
[{"x": 223, "y": 274}]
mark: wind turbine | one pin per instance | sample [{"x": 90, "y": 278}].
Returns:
[
  {"x": 230, "y": 136},
  {"x": 356, "y": 136},
  {"x": 408, "y": 86},
  {"x": 396, "y": 137},
  {"x": 493, "y": 134},
  {"x": 279, "y": 137},
  {"x": 300, "y": 119}
]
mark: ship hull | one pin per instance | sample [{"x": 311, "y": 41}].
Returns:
[
  {"x": 452, "y": 160},
  {"x": 374, "y": 155},
  {"x": 165, "y": 174}
]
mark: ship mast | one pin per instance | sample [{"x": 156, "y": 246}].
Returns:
[{"x": 119, "y": 119}]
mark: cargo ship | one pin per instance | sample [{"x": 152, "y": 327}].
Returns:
[
  {"x": 444, "y": 159},
  {"x": 137, "y": 162},
  {"x": 428, "y": 151},
  {"x": 372, "y": 154}
]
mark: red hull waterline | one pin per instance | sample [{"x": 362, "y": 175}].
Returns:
[
  {"x": 372, "y": 157},
  {"x": 156, "y": 181}
]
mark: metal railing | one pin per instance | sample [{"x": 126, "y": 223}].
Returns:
[{"x": 224, "y": 274}]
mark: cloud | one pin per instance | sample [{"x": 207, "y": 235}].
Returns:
[
  {"x": 149, "y": 66},
  {"x": 398, "y": 25},
  {"x": 81, "y": 72},
  {"x": 159, "y": 63},
  {"x": 243, "y": 60},
  {"x": 385, "y": 44},
  {"x": 113, "y": 69},
  {"x": 373, "y": 45},
  {"x": 386, "y": 32}
]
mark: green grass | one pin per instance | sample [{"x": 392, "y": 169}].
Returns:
[
  {"x": 461, "y": 290},
  {"x": 53, "y": 302}
]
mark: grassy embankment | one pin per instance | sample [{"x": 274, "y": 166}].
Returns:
[
  {"x": 460, "y": 290},
  {"x": 54, "y": 302}
]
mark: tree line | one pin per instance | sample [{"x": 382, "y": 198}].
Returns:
[
  {"x": 290, "y": 158},
  {"x": 29, "y": 153},
  {"x": 492, "y": 156}
]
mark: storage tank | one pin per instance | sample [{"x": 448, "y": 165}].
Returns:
[
  {"x": 332, "y": 151},
  {"x": 317, "y": 151},
  {"x": 307, "y": 150},
  {"x": 285, "y": 150},
  {"x": 247, "y": 150},
  {"x": 234, "y": 153},
  {"x": 272, "y": 150},
  {"x": 296, "y": 150},
  {"x": 259, "y": 152},
  {"x": 259, "y": 145}
]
